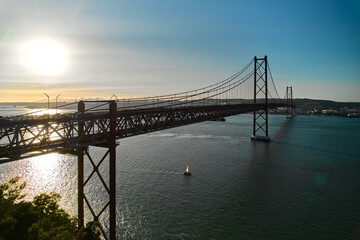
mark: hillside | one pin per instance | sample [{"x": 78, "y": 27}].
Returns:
[{"x": 325, "y": 104}]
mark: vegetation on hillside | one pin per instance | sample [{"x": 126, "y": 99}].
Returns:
[
  {"x": 40, "y": 219},
  {"x": 325, "y": 104}
]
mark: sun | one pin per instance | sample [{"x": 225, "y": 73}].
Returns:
[{"x": 45, "y": 57}]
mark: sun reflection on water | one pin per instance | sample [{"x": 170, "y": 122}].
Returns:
[
  {"x": 43, "y": 167},
  {"x": 47, "y": 173},
  {"x": 44, "y": 112}
]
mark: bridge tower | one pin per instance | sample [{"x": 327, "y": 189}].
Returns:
[
  {"x": 260, "y": 121},
  {"x": 84, "y": 128},
  {"x": 289, "y": 102}
]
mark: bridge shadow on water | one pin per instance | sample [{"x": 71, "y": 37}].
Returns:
[
  {"x": 281, "y": 138},
  {"x": 292, "y": 196},
  {"x": 255, "y": 190}
]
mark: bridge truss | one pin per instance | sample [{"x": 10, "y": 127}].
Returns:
[{"x": 101, "y": 123}]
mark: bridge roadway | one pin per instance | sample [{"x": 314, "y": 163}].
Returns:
[{"x": 36, "y": 135}]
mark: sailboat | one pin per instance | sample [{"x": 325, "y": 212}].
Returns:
[{"x": 187, "y": 173}]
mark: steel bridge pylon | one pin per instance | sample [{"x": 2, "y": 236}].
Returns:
[
  {"x": 110, "y": 187},
  {"x": 289, "y": 102},
  {"x": 260, "y": 120}
]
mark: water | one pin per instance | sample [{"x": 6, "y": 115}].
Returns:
[{"x": 305, "y": 184}]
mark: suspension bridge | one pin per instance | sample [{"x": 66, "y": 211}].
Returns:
[{"x": 102, "y": 123}]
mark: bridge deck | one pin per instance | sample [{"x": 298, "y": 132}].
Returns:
[{"x": 34, "y": 135}]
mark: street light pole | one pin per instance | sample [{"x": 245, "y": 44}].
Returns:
[
  {"x": 56, "y": 102},
  {"x": 48, "y": 100}
]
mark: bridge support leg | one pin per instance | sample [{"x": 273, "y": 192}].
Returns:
[
  {"x": 260, "y": 120},
  {"x": 81, "y": 188},
  {"x": 112, "y": 149},
  {"x": 110, "y": 187},
  {"x": 80, "y": 154}
]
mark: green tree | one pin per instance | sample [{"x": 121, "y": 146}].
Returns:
[{"x": 41, "y": 219}]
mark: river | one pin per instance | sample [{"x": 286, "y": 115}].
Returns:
[{"x": 304, "y": 184}]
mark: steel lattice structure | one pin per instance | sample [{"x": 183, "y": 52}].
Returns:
[
  {"x": 289, "y": 102},
  {"x": 28, "y": 136},
  {"x": 260, "y": 122}
]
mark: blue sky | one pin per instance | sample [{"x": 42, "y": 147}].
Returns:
[{"x": 133, "y": 48}]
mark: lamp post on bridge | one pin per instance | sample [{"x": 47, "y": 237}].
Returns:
[
  {"x": 48, "y": 100},
  {"x": 56, "y": 103}
]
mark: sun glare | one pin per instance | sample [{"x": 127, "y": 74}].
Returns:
[
  {"x": 44, "y": 167},
  {"x": 45, "y": 57}
]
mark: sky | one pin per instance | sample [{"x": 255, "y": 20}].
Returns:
[{"x": 88, "y": 49}]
